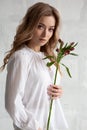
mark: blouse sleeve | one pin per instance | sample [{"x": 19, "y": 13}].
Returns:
[{"x": 17, "y": 73}]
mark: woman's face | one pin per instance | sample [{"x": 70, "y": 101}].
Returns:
[{"x": 43, "y": 31}]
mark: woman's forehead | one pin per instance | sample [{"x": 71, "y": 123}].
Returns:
[{"x": 47, "y": 20}]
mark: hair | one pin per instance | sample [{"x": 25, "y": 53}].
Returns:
[{"x": 27, "y": 26}]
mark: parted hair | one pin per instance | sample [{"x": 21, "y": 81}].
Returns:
[{"x": 27, "y": 26}]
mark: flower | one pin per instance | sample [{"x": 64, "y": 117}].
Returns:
[{"x": 62, "y": 51}]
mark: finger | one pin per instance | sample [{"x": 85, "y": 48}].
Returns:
[
  {"x": 56, "y": 86},
  {"x": 55, "y": 90},
  {"x": 53, "y": 93},
  {"x": 59, "y": 90},
  {"x": 55, "y": 97}
]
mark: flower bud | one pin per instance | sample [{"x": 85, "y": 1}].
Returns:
[
  {"x": 57, "y": 50},
  {"x": 61, "y": 42},
  {"x": 71, "y": 49},
  {"x": 72, "y": 43},
  {"x": 67, "y": 52}
]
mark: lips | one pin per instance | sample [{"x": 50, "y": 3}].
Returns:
[{"x": 41, "y": 39}]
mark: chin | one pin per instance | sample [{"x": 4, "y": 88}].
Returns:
[{"x": 42, "y": 44}]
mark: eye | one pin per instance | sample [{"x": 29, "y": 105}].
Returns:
[
  {"x": 51, "y": 29},
  {"x": 40, "y": 26}
]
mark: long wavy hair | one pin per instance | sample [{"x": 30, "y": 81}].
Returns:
[{"x": 27, "y": 26}]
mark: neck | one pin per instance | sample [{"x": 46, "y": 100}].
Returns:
[{"x": 33, "y": 47}]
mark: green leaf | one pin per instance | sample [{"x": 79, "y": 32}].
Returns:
[
  {"x": 48, "y": 57},
  {"x": 65, "y": 45},
  {"x": 50, "y": 63},
  {"x": 73, "y": 54},
  {"x": 59, "y": 57},
  {"x": 67, "y": 69},
  {"x": 75, "y": 44}
]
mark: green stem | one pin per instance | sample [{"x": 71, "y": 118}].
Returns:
[
  {"x": 56, "y": 74},
  {"x": 49, "y": 116},
  {"x": 48, "y": 122}
]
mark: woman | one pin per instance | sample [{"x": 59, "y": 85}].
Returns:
[{"x": 29, "y": 84}]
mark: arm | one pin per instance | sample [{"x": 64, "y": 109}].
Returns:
[{"x": 15, "y": 84}]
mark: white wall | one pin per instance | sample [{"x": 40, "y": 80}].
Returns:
[{"x": 74, "y": 28}]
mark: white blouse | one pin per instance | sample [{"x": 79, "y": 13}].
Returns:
[{"x": 26, "y": 98}]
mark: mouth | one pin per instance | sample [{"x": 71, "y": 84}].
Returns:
[{"x": 43, "y": 40}]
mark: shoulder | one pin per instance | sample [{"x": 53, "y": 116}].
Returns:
[{"x": 23, "y": 55}]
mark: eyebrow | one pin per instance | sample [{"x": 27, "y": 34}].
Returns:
[{"x": 45, "y": 25}]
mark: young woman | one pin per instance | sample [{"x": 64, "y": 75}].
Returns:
[{"x": 29, "y": 84}]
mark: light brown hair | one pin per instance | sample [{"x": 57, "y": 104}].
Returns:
[{"x": 26, "y": 28}]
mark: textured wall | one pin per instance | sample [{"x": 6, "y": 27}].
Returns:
[{"x": 74, "y": 28}]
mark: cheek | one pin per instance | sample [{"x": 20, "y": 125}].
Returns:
[
  {"x": 38, "y": 32},
  {"x": 50, "y": 35}
]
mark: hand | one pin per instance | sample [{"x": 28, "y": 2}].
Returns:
[
  {"x": 39, "y": 129},
  {"x": 54, "y": 91}
]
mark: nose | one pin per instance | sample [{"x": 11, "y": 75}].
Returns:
[{"x": 45, "y": 33}]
